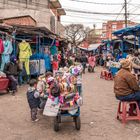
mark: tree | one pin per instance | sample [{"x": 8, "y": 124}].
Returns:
[{"x": 76, "y": 33}]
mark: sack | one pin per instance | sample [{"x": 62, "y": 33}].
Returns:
[{"x": 51, "y": 109}]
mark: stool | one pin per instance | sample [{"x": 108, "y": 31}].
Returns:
[
  {"x": 108, "y": 76},
  {"x": 124, "y": 114}
]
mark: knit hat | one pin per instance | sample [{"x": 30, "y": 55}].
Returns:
[
  {"x": 13, "y": 59},
  {"x": 125, "y": 63}
]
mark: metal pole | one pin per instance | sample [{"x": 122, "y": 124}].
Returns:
[
  {"x": 125, "y": 5},
  {"x": 135, "y": 41},
  {"x": 139, "y": 42}
]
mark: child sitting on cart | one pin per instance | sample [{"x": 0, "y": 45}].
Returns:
[{"x": 42, "y": 89}]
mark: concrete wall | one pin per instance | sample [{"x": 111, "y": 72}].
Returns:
[
  {"x": 60, "y": 30},
  {"x": 39, "y": 12},
  {"x": 21, "y": 21},
  {"x": 37, "y": 9}
]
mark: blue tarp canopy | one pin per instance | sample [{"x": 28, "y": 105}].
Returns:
[{"x": 128, "y": 31}]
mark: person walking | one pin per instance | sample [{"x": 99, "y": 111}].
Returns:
[
  {"x": 92, "y": 63},
  {"x": 83, "y": 61}
]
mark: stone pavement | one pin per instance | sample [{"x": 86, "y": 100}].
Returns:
[{"x": 97, "y": 114}]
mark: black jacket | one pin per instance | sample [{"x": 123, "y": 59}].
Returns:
[
  {"x": 33, "y": 102},
  {"x": 11, "y": 69},
  {"x": 83, "y": 59}
]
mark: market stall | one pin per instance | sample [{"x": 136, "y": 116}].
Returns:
[
  {"x": 32, "y": 46},
  {"x": 126, "y": 32}
]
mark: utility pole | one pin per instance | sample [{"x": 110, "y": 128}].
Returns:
[{"x": 125, "y": 5}]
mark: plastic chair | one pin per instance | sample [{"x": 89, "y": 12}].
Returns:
[
  {"x": 108, "y": 75},
  {"x": 125, "y": 114}
]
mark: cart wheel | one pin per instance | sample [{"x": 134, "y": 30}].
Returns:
[
  {"x": 74, "y": 118},
  {"x": 59, "y": 119},
  {"x": 56, "y": 125},
  {"x": 77, "y": 123}
]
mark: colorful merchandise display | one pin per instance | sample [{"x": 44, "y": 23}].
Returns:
[{"x": 63, "y": 91}]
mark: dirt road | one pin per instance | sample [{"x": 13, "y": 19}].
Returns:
[{"x": 97, "y": 114}]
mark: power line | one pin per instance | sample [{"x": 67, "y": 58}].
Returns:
[
  {"x": 136, "y": 8},
  {"x": 129, "y": 1},
  {"x": 99, "y": 3},
  {"x": 82, "y": 1},
  {"x": 80, "y": 22},
  {"x": 85, "y": 17},
  {"x": 95, "y": 13},
  {"x": 119, "y": 12}
]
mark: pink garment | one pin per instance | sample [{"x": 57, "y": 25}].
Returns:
[
  {"x": 1, "y": 46},
  {"x": 92, "y": 61},
  {"x": 57, "y": 43}
]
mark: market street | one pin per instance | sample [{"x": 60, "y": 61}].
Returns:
[{"x": 97, "y": 115}]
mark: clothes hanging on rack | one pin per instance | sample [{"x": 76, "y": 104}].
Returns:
[
  {"x": 24, "y": 55},
  {"x": 53, "y": 50},
  {"x": 47, "y": 59},
  {"x": 57, "y": 43},
  {"x": 8, "y": 48},
  {"x": 1, "y": 50},
  {"x": 1, "y": 46}
]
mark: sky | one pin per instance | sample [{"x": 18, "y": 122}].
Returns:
[{"x": 101, "y": 6}]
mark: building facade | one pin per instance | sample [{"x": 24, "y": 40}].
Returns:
[
  {"x": 111, "y": 26},
  {"x": 47, "y": 13},
  {"x": 21, "y": 20},
  {"x": 94, "y": 36}
]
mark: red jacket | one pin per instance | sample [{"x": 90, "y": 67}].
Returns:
[{"x": 55, "y": 65}]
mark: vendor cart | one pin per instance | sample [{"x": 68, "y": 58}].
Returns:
[
  {"x": 64, "y": 112},
  {"x": 4, "y": 82}
]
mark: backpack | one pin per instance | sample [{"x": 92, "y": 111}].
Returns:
[{"x": 55, "y": 90}]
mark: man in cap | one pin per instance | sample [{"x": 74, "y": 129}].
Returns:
[
  {"x": 126, "y": 87},
  {"x": 12, "y": 69}
]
